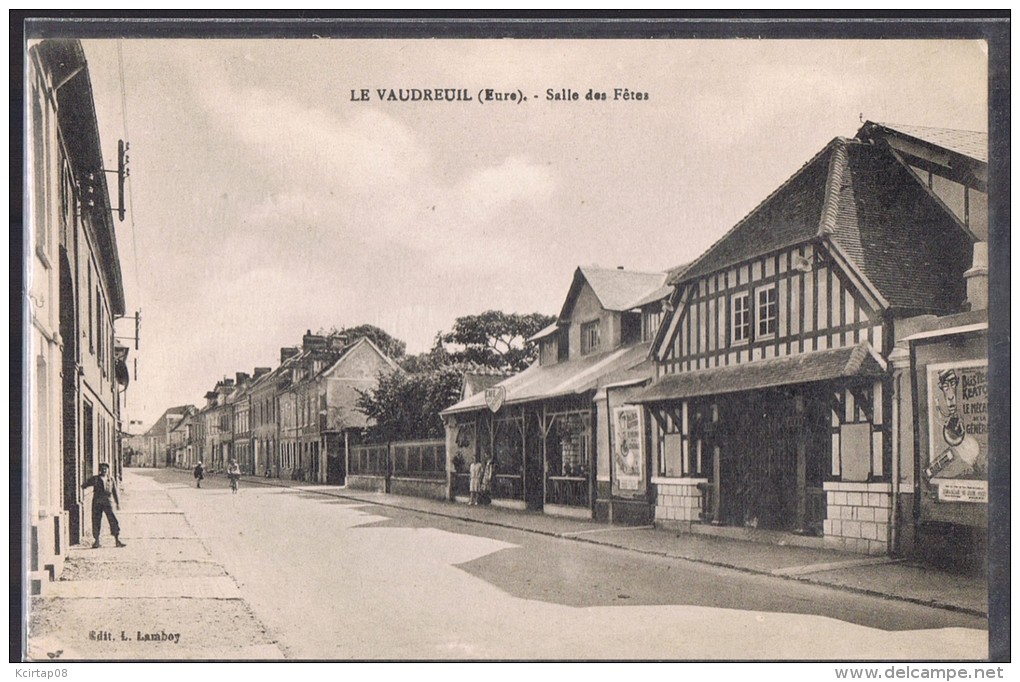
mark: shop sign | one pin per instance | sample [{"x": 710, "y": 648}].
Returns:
[
  {"x": 628, "y": 450},
  {"x": 958, "y": 431},
  {"x": 495, "y": 397}
]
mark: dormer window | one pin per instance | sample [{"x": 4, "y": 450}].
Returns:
[{"x": 590, "y": 337}]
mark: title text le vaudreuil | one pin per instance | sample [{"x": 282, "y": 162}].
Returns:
[{"x": 494, "y": 95}]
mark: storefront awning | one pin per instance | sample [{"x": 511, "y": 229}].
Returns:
[
  {"x": 823, "y": 365},
  {"x": 571, "y": 377}
]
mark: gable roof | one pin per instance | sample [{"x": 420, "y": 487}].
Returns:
[
  {"x": 160, "y": 427},
  {"x": 863, "y": 199},
  {"x": 789, "y": 215},
  {"x": 617, "y": 289},
  {"x": 348, "y": 350},
  {"x": 969, "y": 143}
]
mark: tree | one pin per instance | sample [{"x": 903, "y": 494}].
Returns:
[
  {"x": 406, "y": 406},
  {"x": 393, "y": 347},
  {"x": 495, "y": 339}
]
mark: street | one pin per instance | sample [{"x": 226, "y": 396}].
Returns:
[{"x": 331, "y": 578}]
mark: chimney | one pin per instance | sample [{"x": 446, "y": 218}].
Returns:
[
  {"x": 242, "y": 378},
  {"x": 262, "y": 371},
  {"x": 288, "y": 353},
  {"x": 312, "y": 341},
  {"x": 977, "y": 278}
]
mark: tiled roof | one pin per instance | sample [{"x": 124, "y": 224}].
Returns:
[
  {"x": 897, "y": 234},
  {"x": 875, "y": 210},
  {"x": 859, "y": 360},
  {"x": 571, "y": 377},
  {"x": 968, "y": 143},
  {"x": 651, "y": 297},
  {"x": 618, "y": 289},
  {"x": 544, "y": 332},
  {"x": 790, "y": 215}
]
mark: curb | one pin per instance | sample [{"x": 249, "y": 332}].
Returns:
[{"x": 699, "y": 560}]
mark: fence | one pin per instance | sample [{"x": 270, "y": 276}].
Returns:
[{"x": 415, "y": 468}]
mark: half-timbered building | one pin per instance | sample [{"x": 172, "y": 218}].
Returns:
[{"x": 772, "y": 404}]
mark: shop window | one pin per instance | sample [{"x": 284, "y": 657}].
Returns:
[
  {"x": 569, "y": 445},
  {"x": 590, "y": 337},
  {"x": 741, "y": 318},
  {"x": 768, "y": 311}
]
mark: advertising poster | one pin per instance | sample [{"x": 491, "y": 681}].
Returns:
[
  {"x": 958, "y": 431},
  {"x": 628, "y": 453}
]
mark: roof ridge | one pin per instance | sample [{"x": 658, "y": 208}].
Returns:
[
  {"x": 621, "y": 269},
  {"x": 833, "y": 187}
]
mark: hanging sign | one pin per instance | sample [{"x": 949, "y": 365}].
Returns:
[{"x": 495, "y": 397}]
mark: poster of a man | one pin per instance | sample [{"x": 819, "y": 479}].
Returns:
[
  {"x": 959, "y": 423},
  {"x": 627, "y": 451}
]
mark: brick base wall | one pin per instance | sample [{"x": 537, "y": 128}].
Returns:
[
  {"x": 677, "y": 501},
  {"x": 857, "y": 516}
]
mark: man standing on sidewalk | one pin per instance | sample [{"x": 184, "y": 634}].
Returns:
[{"x": 104, "y": 487}]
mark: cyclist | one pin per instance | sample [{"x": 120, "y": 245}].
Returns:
[{"x": 234, "y": 474}]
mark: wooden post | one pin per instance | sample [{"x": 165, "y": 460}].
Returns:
[{"x": 716, "y": 483}]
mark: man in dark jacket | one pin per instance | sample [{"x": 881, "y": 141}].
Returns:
[{"x": 104, "y": 487}]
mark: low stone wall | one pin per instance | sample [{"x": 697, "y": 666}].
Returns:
[
  {"x": 677, "y": 502},
  {"x": 363, "y": 482},
  {"x": 431, "y": 488},
  {"x": 857, "y": 516}
]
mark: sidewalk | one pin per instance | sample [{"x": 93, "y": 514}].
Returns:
[
  {"x": 161, "y": 597},
  {"x": 878, "y": 576}
]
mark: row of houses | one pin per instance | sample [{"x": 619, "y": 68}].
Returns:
[
  {"x": 75, "y": 371},
  {"x": 818, "y": 375},
  {"x": 297, "y": 420}
]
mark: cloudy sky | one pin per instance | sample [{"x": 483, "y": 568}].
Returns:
[{"x": 265, "y": 201}]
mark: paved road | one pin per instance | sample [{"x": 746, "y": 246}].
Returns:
[{"x": 337, "y": 579}]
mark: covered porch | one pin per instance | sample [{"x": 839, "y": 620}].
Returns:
[
  {"x": 543, "y": 434},
  {"x": 764, "y": 445}
]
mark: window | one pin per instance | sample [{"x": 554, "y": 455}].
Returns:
[
  {"x": 89, "y": 297},
  {"x": 650, "y": 320},
  {"x": 741, "y": 318},
  {"x": 590, "y": 337},
  {"x": 767, "y": 311},
  {"x": 100, "y": 332}
]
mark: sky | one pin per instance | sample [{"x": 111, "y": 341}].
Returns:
[{"x": 267, "y": 196}]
